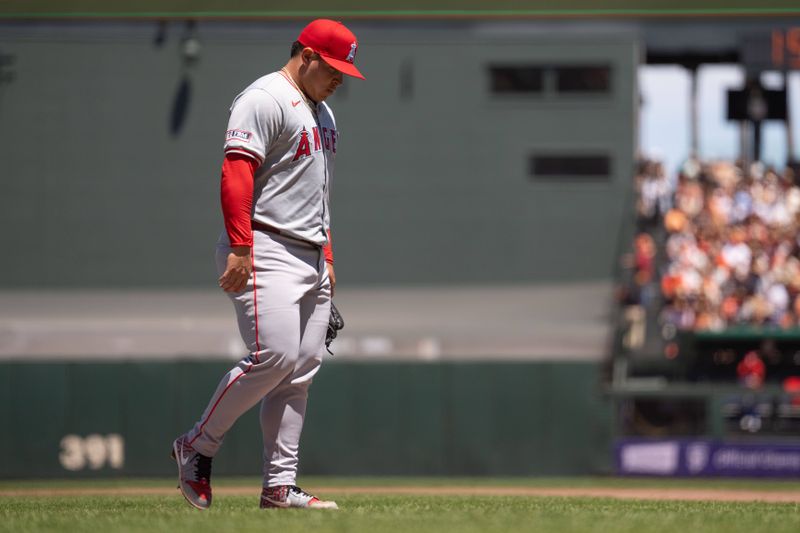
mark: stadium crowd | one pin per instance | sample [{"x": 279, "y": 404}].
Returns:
[{"x": 732, "y": 245}]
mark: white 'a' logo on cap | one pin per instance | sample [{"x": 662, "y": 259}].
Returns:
[{"x": 352, "y": 55}]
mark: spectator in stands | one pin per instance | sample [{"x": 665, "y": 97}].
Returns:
[
  {"x": 751, "y": 370},
  {"x": 654, "y": 193}
]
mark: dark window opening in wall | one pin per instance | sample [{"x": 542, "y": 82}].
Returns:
[
  {"x": 583, "y": 79},
  {"x": 556, "y": 166},
  {"x": 516, "y": 80}
]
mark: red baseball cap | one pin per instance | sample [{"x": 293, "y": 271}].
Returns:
[{"x": 334, "y": 43}]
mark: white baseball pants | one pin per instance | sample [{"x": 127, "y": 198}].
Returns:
[{"x": 283, "y": 317}]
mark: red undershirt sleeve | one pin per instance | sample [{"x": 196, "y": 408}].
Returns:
[
  {"x": 236, "y": 196},
  {"x": 328, "y": 250}
]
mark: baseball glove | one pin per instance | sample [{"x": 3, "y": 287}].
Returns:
[{"x": 335, "y": 323}]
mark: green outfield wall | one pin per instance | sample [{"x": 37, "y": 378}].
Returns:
[
  {"x": 70, "y": 419},
  {"x": 111, "y": 137}
]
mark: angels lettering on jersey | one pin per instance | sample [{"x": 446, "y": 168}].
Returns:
[{"x": 306, "y": 146}]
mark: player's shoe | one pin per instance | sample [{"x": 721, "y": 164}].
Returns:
[
  {"x": 286, "y": 496},
  {"x": 194, "y": 473}
]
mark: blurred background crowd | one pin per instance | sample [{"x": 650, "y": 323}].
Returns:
[{"x": 717, "y": 245}]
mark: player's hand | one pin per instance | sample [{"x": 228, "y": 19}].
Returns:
[
  {"x": 332, "y": 275},
  {"x": 238, "y": 269}
]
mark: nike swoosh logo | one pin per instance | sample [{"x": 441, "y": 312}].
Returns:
[
  {"x": 276, "y": 502},
  {"x": 294, "y": 104},
  {"x": 184, "y": 460}
]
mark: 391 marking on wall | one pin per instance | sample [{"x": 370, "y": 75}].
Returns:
[{"x": 92, "y": 451}]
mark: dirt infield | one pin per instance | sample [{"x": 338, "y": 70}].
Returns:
[{"x": 683, "y": 494}]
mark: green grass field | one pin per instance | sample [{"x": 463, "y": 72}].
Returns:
[{"x": 109, "y": 506}]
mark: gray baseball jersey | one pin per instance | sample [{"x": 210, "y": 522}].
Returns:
[
  {"x": 295, "y": 143},
  {"x": 284, "y": 308},
  {"x": 283, "y": 311}
]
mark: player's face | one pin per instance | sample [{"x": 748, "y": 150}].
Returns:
[{"x": 322, "y": 80}]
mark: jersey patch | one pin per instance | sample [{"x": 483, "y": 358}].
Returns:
[{"x": 239, "y": 135}]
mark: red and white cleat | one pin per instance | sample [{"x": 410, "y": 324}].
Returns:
[
  {"x": 194, "y": 473},
  {"x": 292, "y": 496}
]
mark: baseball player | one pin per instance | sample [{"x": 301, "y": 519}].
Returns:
[{"x": 275, "y": 260}]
